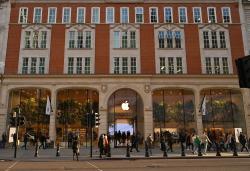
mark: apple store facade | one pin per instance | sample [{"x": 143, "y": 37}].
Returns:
[{"x": 132, "y": 106}]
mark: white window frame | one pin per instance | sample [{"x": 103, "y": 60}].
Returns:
[
  {"x": 49, "y": 15},
  {"x": 92, "y": 15},
  {"x": 157, "y": 14},
  {"x": 200, "y": 14},
  {"x": 142, "y": 14},
  {"x": 26, "y": 20},
  {"x": 69, "y": 15},
  {"x": 214, "y": 14},
  {"x": 171, "y": 14},
  {"x": 179, "y": 16},
  {"x": 34, "y": 14},
  {"x": 121, "y": 14},
  {"x": 230, "y": 16},
  {"x": 84, "y": 14},
  {"x": 113, "y": 17}
]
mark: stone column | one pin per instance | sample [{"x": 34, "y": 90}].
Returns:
[
  {"x": 3, "y": 109},
  {"x": 246, "y": 102},
  {"x": 52, "y": 121},
  {"x": 198, "y": 115},
  {"x": 103, "y": 127},
  {"x": 148, "y": 111}
]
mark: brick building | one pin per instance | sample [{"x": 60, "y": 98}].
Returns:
[{"x": 159, "y": 57}]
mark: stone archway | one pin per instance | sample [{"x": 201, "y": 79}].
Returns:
[{"x": 125, "y": 115}]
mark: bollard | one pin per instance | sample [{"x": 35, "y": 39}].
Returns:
[
  {"x": 146, "y": 150},
  {"x": 57, "y": 150},
  {"x": 128, "y": 151},
  {"x": 217, "y": 150},
  {"x": 182, "y": 150},
  {"x": 199, "y": 150}
]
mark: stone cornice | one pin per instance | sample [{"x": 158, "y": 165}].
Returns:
[{"x": 124, "y": 1}]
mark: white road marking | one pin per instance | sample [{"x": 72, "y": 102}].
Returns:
[
  {"x": 94, "y": 166},
  {"x": 8, "y": 169}
]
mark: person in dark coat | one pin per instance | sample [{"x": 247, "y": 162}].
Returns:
[
  {"x": 243, "y": 142},
  {"x": 4, "y": 139},
  {"x": 25, "y": 141},
  {"x": 134, "y": 143},
  {"x": 75, "y": 148},
  {"x": 101, "y": 145}
]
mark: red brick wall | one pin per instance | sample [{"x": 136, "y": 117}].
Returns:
[
  {"x": 56, "y": 62},
  {"x": 102, "y": 49},
  {"x": 236, "y": 42},
  {"x": 13, "y": 47},
  {"x": 147, "y": 49},
  {"x": 192, "y": 49}
]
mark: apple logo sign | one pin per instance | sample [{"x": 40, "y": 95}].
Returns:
[{"x": 125, "y": 106}]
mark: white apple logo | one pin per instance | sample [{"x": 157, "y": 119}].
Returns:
[{"x": 125, "y": 106}]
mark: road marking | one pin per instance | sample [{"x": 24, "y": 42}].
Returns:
[
  {"x": 8, "y": 169},
  {"x": 94, "y": 166}
]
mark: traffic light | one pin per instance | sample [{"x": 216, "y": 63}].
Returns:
[
  {"x": 97, "y": 120},
  {"x": 243, "y": 67},
  {"x": 12, "y": 121},
  {"x": 21, "y": 120}
]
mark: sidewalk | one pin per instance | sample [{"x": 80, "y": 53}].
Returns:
[{"x": 116, "y": 154}]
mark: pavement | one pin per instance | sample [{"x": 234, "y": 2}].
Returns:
[{"x": 7, "y": 154}]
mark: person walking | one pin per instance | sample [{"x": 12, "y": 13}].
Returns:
[
  {"x": 243, "y": 142},
  {"x": 204, "y": 141},
  {"x": 134, "y": 143},
  {"x": 4, "y": 139},
  {"x": 25, "y": 140},
  {"x": 75, "y": 148},
  {"x": 101, "y": 145},
  {"x": 149, "y": 142}
]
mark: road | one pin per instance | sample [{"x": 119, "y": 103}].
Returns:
[{"x": 222, "y": 164}]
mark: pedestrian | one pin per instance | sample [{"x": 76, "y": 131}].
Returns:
[
  {"x": 101, "y": 145},
  {"x": 149, "y": 142},
  {"x": 243, "y": 142},
  {"x": 75, "y": 148},
  {"x": 170, "y": 141},
  {"x": 42, "y": 140},
  {"x": 25, "y": 140},
  {"x": 197, "y": 142},
  {"x": 204, "y": 141},
  {"x": 4, "y": 139},
  {"x": 134, "y": 143},
  {"x": 182, "y": 139}
]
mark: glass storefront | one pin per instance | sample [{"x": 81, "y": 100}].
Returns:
[
  {"x": 32, "y": 104},
  {"x": 224, "y": 111},
  {"x": 173, "y": 110},
  {"x": 125, "y": 116},
  {"x": 73, "y": 105}
]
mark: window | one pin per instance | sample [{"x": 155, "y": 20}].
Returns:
[
  {"x": 116, "y": 39},
  {"x": 37, "y": 17},
  {"x": 211, "y": 15},
  {"x": 23, "y": 15},
  {"x": 95, "y": 13},
  {"x": 197, "y": 15},
  {"x": 182, "y": 15},
  {"x": 109, "y": 15},
  {"x": 226, "y": 14},
  {"x": 79, "y": 65},
  {"x": 52, "y": 15},
  {"x": 25, "y": 65},
  {"x": 153, "y": 15},
  {"x": 124, "y": 15},
  {"x": 124, "y": 39},
  {"x": 132, "y": 39},
  {"x": 139, "y": 15},
  {"x": 169, "y": 39},
  {"x": 38, "y": 39},
  {"x": 225, "y": 67},
  {"x": 214, "y": 39},
  {"x": 66, "y": 15},
  {"x": 33, "y": 65},
  {"x": 171, "y": 65},
  {"x": 168, "y": 16},
  {"x": 206, "y": 39},
  {"x": 222, "y": 39},
  {"x": 80, "y": 15},
  {"x": 79, "y": 39},
  {"x": 124, "y": 65},
  {"x": 216, "y": 65}
]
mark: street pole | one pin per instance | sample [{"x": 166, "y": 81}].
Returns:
[{"x": 16, "y": 115}]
